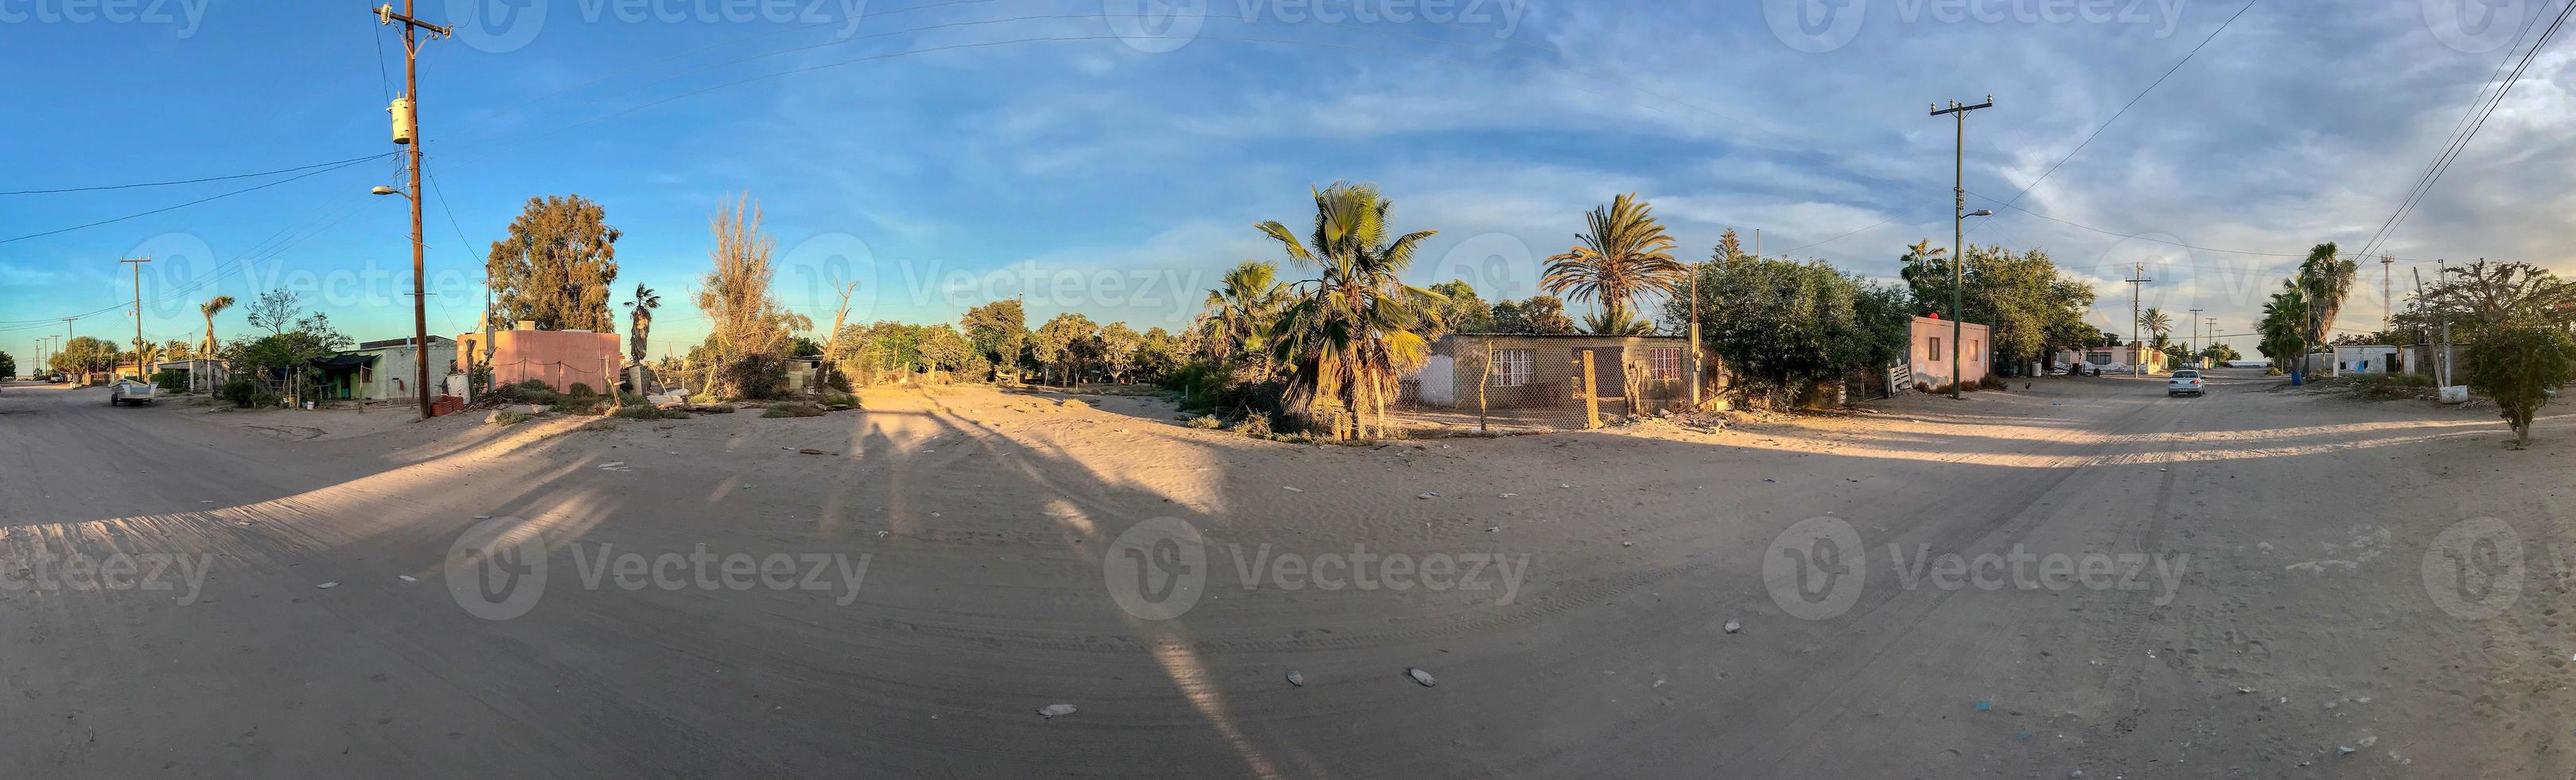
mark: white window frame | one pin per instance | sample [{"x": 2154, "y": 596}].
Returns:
[
  {"x": 1511, "y": 367},
  {"x": 1658, "y": 367}
]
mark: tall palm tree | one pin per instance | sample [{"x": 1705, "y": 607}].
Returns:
[
  {"x": 2158, "y": 324},
  {"x": 211, "y": 308},
  {"x": 1241, "y": 310},
  {"x": 2326, "y": 281},
  {"x": 1350, "y": 331},
  {"x": 639, "y": 320},
  {"x": 1625, "y": 254}
]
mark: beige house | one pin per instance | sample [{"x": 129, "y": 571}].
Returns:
[
  {"x": 1541, "y": 371},
  {"x": 1929, "y": 346}
]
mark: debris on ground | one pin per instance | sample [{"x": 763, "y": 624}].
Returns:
[
  {"x": 1296, "y": 679},
  {"x": 1053, "y": 710},
  {"x": 1732, "y": 626},
  {"x": 327, "y": 585},
  {"x": 1422, "y": 677}
]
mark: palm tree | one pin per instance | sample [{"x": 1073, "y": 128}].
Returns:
[
  {"x": 1349, "y": 333},
  {"x": 2158, "y": 324},
  {"x": 2325, "y": 281},
  {"x": 1626, "y": 254},
  {"x": 211, "y": 308},
  {"x": 640, "y": 319},
  {"x": 1241, "y": 310}
]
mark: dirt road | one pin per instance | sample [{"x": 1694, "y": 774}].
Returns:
[{"x": 2088, "y": 575}]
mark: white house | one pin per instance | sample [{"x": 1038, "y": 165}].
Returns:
[{"x": 2368, "y": 359}]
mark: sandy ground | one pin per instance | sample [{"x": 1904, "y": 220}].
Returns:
[{"x": 1007, "y": 539}]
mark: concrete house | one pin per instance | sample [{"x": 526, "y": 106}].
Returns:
[
  {"x": 558, "y": 358},
  {"x": 2369, "y": 359},
  {"x": 1541, "y": 371},
  {"x": 383, "y": 369},
  {"x": 1928, "y": 349}
]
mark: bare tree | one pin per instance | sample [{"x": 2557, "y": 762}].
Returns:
[{"x": 749, "y": 331}]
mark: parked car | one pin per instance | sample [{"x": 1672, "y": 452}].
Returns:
[
  {"x": 2186, "y": 381},
  {"x": 129, "y": 390}
]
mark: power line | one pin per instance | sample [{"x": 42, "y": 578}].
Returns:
[
  {"x": 2124, "y": 109},
  {"x": 2442, "y": 162},
  {"x": 198, "y": 181}
]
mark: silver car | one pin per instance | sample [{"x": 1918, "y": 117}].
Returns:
[{"x": 2184, "y": 382}]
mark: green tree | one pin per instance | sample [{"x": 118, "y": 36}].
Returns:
[
  {"x": 2284, "y": 327},
  {"x": 8, "y": 365},
  {"x": 556, "y": 265},
  {"x": 1000, "y": 332},
  {"x": 2325, "y": 282},
  {"x": 1538, "y": 314},
  {"x": 210, "y": 308},
  {"x": 2220, "y": 353},
  {"x": 276, "y": 310},
  {"x": 1625, "y": 254},
  {"x": 2031, "y": 305},
  {"x": 2520, "y": 364},
  {"x": 83, "y": 354},
  {"x": 1239, "y": 315},
  {"x": 1785, "y": 327},
  {"x": 942, "y": 348},
  {"x": 1353, "y": 329},
  {"x": 1118, "y": 346},
  {"x": 1459, "y": 310},
  {"x": 1062, "y": 345}
]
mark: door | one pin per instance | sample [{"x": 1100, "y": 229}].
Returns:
[{"x": 1609, "y": 373}]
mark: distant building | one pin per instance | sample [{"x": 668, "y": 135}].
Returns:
[
  {"x": 2128, "y": 356},
  {"x": 556, "y": 357}
]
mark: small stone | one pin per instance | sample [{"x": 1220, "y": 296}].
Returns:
[
  {"x": 327, "y": 585},
  {"x": 1296, "y": 679},
  {"x": 1422, "y": 677},
  {"x": 2346, "y": 750},
  {"x": 1053, "y": 710},
  {"x": 810, "y": 451},
  {"x": 1732, "y": 626},
  {"x": 1984, "y": 706},
  {"x": 1428, "y": 496},
  {"x": 1291, "y": 488}
]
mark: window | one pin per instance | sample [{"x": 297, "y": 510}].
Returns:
[
  {"x": 1511, "y": 367},
  {"x": 1976, "y": 352},
  {"x": 1933, "y": 352},
  {"x": 1665, "y": 362}
]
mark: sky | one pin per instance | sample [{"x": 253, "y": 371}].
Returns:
[{"x": 1111, "y": 157}]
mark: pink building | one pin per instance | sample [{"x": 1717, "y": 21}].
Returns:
[
  {"x": 1929, "y": 345},
  {"x": 556, "y": 357}
]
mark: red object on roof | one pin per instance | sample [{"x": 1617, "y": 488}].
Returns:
[{"x": 1935, "y": 315}]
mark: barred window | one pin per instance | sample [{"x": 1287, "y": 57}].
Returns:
[
  {"x": 1666, "y": 362},
  {"x": 1511, "y": 367}
]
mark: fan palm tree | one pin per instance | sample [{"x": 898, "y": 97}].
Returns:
[
  {"x": 2158, "y": 324},
  {"x": 1626, "y": 254},
  {"x": 639, "y": 319},
  {"x": 210, "y": 308},
  {"x": 1241, "y": 310},
  {"x": 1350, "y": 331}
]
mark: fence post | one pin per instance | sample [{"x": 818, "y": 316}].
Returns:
[{"x": 1591, "y": 395}]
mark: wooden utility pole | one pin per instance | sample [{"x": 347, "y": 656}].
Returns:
[
  {"x": 406, "y": 113},
  {"x": 1591, "y": 395},
  {"x": 2194, "y": 346},
  {"x": 2137, "y": 345},
  {"x": 1695, "y": 368},
  {"x": 138, "y": 314},
  {"x": 1958, "y": 235}
]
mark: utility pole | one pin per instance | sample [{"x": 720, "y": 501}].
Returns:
[
  {"x": 1958, "y": 234},
  {"x": 2387, "y": 302},
  {"x": 2194, "y": 344},
  {"x": 1695, "y": 368},
  {"x": 67, "y": 344},
  {"x": 2137, "y": 345},
  {"x": 406, "y": 113},
  {"x": 139, "y": 371}
]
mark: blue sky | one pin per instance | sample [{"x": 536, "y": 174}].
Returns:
[{"x": 1107, "y": 158}]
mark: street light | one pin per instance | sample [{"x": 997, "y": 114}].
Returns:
[{"x": 384, "y": 190}]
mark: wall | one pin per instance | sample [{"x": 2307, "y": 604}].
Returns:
[
  {"x": 1552, "y": 379},
  {"x": 393, "y": 374},
  {"x": 555, "y": 357},
  {"x": 2366, "y": 359},
  {"x": 1932, "y": 366}
]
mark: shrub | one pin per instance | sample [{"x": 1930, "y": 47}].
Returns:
[
  {"x": 241, "y": 391},
  {"x": 170, "y": 380},
  {"x": 793, "y": 409},
  {"x": 1992, "y": 382},
  {"x": 643, "y": 412},
  {"x": 1205, "y": 422},
  {"x": 1074, "y": 403},
  {"x": 580, "y": 390},
  {"x": 1256, "y": 425},
  {"x": 837, "y": 398},
  {"x": 2395, "y": 386},
  {"x": 508, "y": 417},
  {"x": 704, "y": 399}
]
